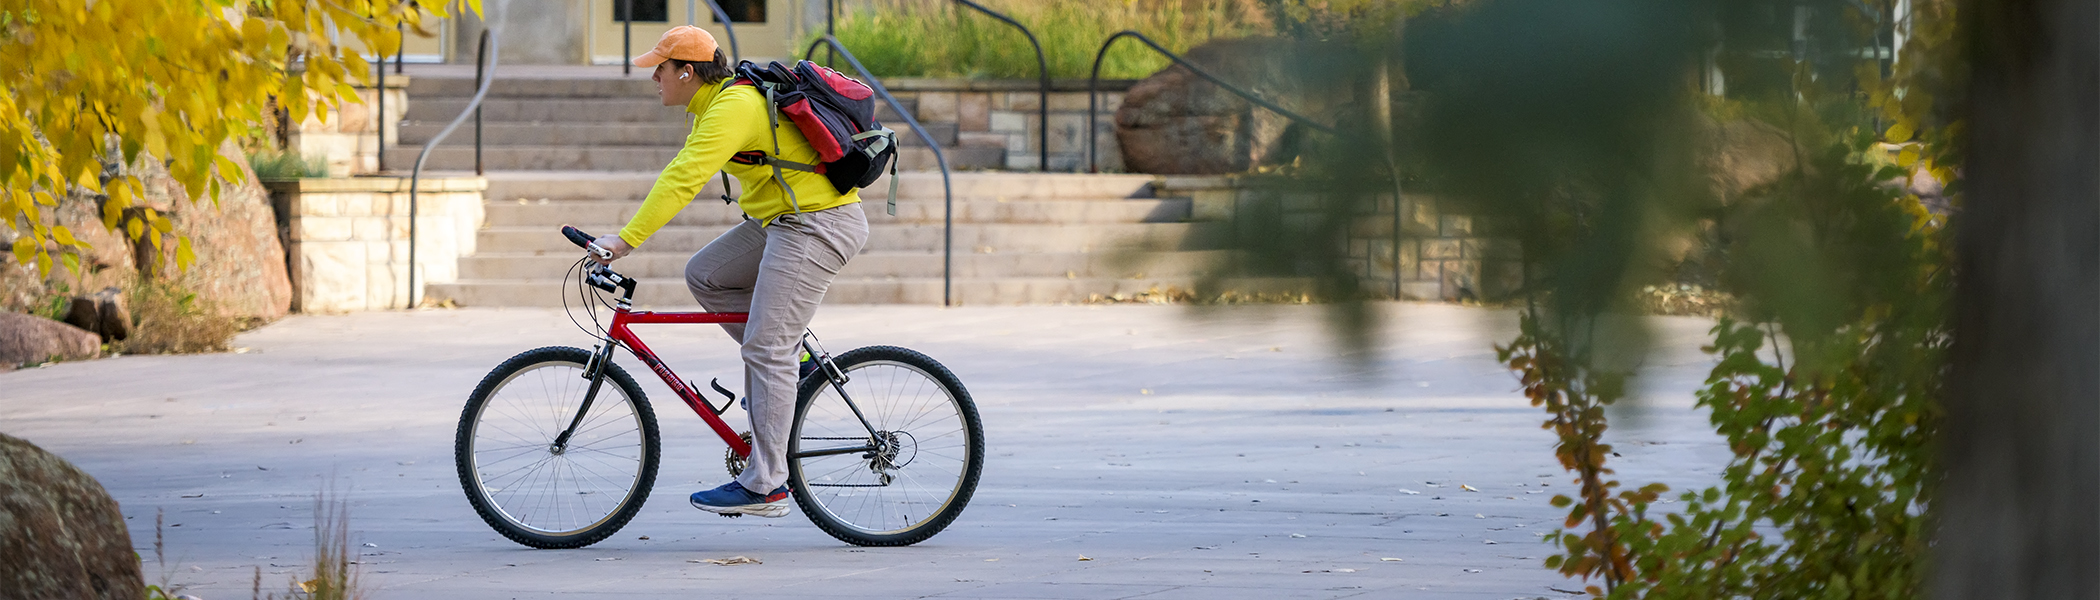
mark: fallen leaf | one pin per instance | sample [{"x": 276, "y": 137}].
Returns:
[
  {"x": 991, "y": 560},
  {"x": 1084, "y": 558},
  {"x": 1468, "y": 488},
  {"x": 193, "y": 495},
  {"x": 1297, "y": 535},
  {"x": 1472, "y": 570},
  {"x": 733, "y": 560},
  {"x": 1389, "y": 559}
]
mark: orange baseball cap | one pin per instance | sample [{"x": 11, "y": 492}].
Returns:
[{"x": 684, "y": 42}]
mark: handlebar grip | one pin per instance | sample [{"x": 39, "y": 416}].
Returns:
[{"x": 577, "y": 236}]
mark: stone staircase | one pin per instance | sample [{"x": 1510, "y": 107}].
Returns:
[
  {"x": 1019, "y": 239},
  {"x": 598, "y": 124},
  {"x": 584, "y": 150}
]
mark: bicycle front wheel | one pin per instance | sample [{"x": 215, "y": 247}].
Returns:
[
  {"x": 545, "y": 495},
  {"x": 893, "y": 459}
]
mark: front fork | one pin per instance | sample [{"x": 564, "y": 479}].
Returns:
[{"x": 595, "y": 372}]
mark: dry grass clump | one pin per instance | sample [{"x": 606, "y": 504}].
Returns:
[
  {"x": 335, "y": 573},
  {"x": 170, "y": 319},
  {"x": 1688, "y": 300},
  {"x": 1176, "y": 295}
]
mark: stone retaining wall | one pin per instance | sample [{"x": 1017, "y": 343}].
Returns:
[
  {"x": 1003, "y": 114},
  {"x": 347, "y": 139},
  {"x": 1442, "y": 256},
  {"x": 346, "y": 239}
]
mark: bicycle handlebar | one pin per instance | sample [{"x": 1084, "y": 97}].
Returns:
[
  {"x": 599, "y": 276},
  {"x": 584, "y": 241}
]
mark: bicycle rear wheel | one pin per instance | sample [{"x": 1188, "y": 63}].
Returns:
[
  {"x": 910, "y": 476},
  {"x": 545, "y": 496}
]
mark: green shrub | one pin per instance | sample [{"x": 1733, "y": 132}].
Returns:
[
  {"x": 935, "y": 38},
  {"x": 271, "y": 165}
]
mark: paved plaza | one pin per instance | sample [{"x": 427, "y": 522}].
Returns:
[{"x": 1134, "y": 451}]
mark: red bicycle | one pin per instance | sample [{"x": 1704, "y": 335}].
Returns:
[{"x": 558, "y": 447}]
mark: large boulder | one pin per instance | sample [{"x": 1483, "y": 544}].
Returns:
[
  {"x": 240, "y": 264},
  {"x": 26, "y": 339},
  {"x": 104, "y": 313},
  {"x": 65, "y": 537},
  {"x": 1177, "y": 123}
]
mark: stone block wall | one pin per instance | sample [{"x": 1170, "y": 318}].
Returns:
[
  {"x": 999, "y": 119},
  {"x": 347, "y": 239},
  {"x": 347, "y": 139},
  {"x": 1440, "y": 256}
]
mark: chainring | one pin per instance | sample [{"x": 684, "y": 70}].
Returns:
[{"x": 735, "y": 463}]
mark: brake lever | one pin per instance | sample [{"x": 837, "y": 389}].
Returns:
[{"x": 597, "y": 251}]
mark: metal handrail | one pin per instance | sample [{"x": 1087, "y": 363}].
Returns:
[
  {"x": 492, "y": 43},
  {"x": 1093, "y": 84},
  {"x": 1042, "y": 71},
  {"x": 720, "y": 15},
  {"x": 947, "y": 188},
  {"x": 627, "y": 37},
  {"x": 480, "y": 75},
  {"x": 1093, "y": 91}
]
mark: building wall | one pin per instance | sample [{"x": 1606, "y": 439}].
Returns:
[{"x": 535, "y": 32}]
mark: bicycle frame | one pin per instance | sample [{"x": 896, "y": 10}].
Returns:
[{"x": 626, "y": 337}]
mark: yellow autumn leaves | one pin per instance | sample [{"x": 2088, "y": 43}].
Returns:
[{"x": 93, "y": 84}]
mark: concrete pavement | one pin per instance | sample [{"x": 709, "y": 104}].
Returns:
[{"x": 1225, "y": 453}]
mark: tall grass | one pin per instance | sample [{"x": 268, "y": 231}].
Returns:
[
  {"x": 271, "y": 165},
  {"x": 939, "y": 38}
]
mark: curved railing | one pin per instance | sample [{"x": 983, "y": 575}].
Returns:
[
  {"x": 727, "y": 27},
  {"x": 1042, "y": 71},
  {"x": 1093, "y": 91},
  {"x": 490, "y": 44},
  {"x": 1093, "y": 85},
  {"x": 947, "y": 188}
]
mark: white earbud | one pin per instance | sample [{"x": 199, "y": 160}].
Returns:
[{"x": 681, "y": 76}]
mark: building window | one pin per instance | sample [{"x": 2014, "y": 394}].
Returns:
[
  {"x": 645, "y": 11},
  {"x": 742, "y": 11}
]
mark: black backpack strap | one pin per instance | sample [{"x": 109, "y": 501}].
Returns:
[{"x": 773, "y": 128}]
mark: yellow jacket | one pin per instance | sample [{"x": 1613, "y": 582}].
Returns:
[{"x": 732, "y": 120}]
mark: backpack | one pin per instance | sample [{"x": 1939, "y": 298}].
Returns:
[{"x": 835, "y": 112}]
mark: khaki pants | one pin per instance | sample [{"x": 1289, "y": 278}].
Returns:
[{"x": 778, "y": 274}]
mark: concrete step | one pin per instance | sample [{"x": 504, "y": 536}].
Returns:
[
  {"x": 415, "y": 134},
  {"x": 507, "y": 186},
  {"x": 671, "y": 294},
  {"x": 639, "y": 86},
  {"x": 709, "y": 210},
  {"x": 969, "y": 238},
  {"x": 544, "y": 158},
  {"x": 460, "y": 157},
  {"x": 550, "y": 110},
  {"x": 905, "y": 264}
]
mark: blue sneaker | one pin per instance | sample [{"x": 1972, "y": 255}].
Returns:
[{"x": 732, "y": 499}]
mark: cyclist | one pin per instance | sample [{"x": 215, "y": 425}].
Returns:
[{"x": 775, "y": 265}]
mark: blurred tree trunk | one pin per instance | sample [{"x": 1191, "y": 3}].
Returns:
[{"x": 2020, "y": 503}]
